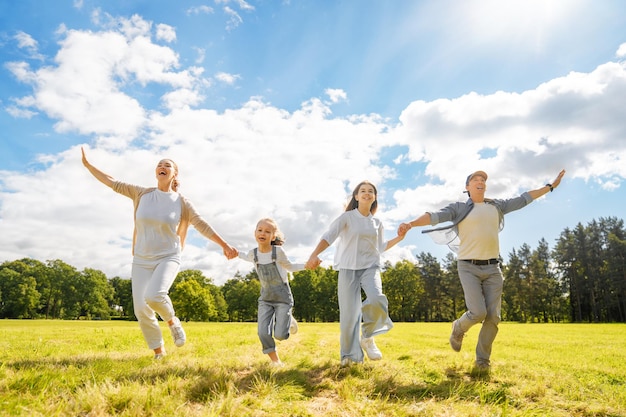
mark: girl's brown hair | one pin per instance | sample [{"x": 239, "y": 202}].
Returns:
[{"x": 355, "y": 204}]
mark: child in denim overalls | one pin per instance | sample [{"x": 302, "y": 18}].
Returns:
[{"x": 276, "y": 301}]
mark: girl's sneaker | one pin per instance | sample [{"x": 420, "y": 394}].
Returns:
[
  {"x": 293, "y": 327},
  {"x": 368, "y": 345}
]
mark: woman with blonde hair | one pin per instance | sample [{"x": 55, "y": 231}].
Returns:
[{"x": 162, "y": 217}]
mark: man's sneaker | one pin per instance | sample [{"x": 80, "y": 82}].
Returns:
[
  {"x": 481, "y": 368},
  {"x": 368, "y": 345},
  {"x": 456, "y": 337},
  {"x": 177, "y": 332},
  {"x": 293, "y": 327}
]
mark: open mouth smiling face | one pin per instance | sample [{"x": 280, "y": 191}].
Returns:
[{"x": 165, "y": 169}]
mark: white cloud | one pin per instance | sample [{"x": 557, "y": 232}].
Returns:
[
  {"x": 621, "y": 51},
  {"x": 226, "y": 78},
  {"x": 201, "y": 54},
  {"x": 242, "y": 4},
  {"x": 181, "y": 98},
  {"x": 26, "y": 42},
  {"x": 19, "y": 112},
  {"x": 336, "y": 95},
  {"x": 570, "y": 122},
  {"x": 199, "y": 10},
  {"x": 107, "y": 62},
  {"x": 234, "y": 19},
  {"x": 166, "y": 32}
]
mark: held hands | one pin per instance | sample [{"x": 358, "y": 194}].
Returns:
[
  {"x": 313, "y": 262},
  {"x": 230, "y": 252},
  {"x": 403, "y": 229}
]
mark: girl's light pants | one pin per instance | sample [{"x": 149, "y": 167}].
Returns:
[{"x": 369, "y": 318}]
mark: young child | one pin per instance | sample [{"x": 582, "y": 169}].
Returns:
[
  {"x": 357, "y": 259},
  {"x": 276, "y": 301}
]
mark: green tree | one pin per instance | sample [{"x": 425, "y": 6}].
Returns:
[
  {"x": 403, "y": 287},
  {"x": 122, "y": 300},
  {"x": 451, "y": 288},
  {"x": 193, "y": 302},
  {"x": 326, "y": 300},
  {"x": 433, "y": 302},
  {"x": 93, "y": 294},
  {"x": 20, "y": 297},
  {"x": 221, "y": 307},
  {"x": 303, "y": 286},
  {"x": 512, "y": 291},
  {"x": 616, "y": 272},
  {"x": 192, "y": 297},
  {"x": 241, "y": 295}
]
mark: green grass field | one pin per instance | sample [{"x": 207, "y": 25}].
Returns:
[{"x": 91, "y": 368}]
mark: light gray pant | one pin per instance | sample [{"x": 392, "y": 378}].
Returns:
[
  {"x": 274, "y": 319},
  {"x": 151, "y": 282},
  {"x": 482, "y": 286},
  {"x": 373, "y": 312}
]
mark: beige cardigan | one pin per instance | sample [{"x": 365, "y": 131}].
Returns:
[{"x": 188, "y": 212}]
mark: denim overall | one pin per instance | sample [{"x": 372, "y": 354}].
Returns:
[
  {"x": 275, "y": 302},
  {"x": 273, "y": 288}
]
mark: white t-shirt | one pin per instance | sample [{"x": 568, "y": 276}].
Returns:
[
  {"x": 283, "y": 264},
  {"x": 157, "y": 219},
  {"x": 361, "y": 240},
  {"x": 478, "y": 233}
]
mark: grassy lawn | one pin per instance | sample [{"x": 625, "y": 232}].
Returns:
[{"x": 80, "y": 368}]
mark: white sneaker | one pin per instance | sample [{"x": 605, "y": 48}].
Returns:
[
  {"x": 368, "y": 345},
  {"x": 293, "y": 327},
  {"x": 177, "y": 332},
  {"x": 456, "y": 337},
  {"x": 161, "y": 355}
]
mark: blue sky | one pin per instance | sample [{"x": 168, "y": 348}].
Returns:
[{"x": 279, "y": 108}]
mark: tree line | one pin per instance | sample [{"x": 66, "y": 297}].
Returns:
[{"x": 581, "y": 279}]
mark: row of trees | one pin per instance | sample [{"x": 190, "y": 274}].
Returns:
[{"x": 583, "y": 279}]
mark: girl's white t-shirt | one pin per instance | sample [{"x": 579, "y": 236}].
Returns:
[
  {"x": 360, "y": 240},
  {"x": 283, "y": 263}
]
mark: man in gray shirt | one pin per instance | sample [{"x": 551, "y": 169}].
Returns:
[{"x": 473, "y": 235}]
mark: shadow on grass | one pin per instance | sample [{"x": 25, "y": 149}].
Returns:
[
  {"x": 205, "y": 383},
  {"x": 325, "y": 380}
]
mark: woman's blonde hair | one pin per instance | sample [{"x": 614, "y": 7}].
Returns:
[
  {"x": 175, "y": 182},
  {"x": 352, "y": 204},
  {"x": 279, "y": 238}
]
